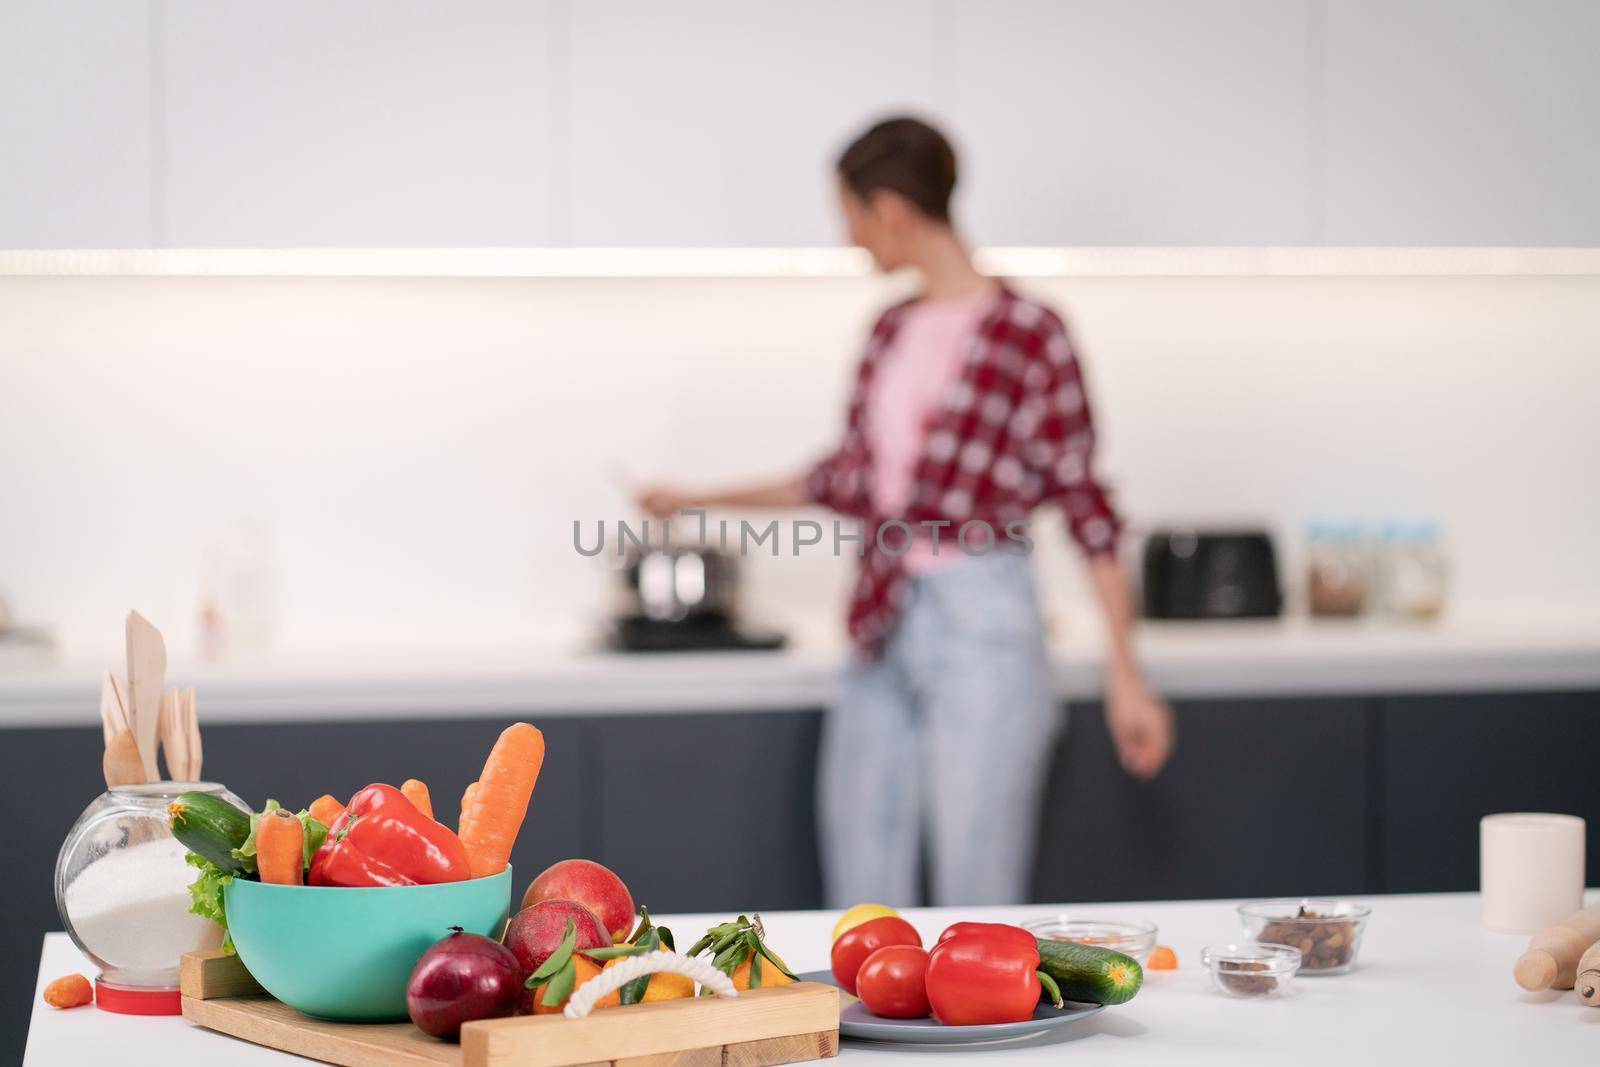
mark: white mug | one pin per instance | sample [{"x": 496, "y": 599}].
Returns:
[{"x": 1530, "y": 869}]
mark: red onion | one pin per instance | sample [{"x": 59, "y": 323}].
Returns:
[{"x": 460, "y": 978}]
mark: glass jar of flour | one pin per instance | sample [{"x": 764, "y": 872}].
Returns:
[{"x": 122, "y": 888}]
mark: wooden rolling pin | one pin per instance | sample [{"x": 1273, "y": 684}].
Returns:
[
  {"x": 1588, "y": 981},
  {"x": 1551, "y": 961}
]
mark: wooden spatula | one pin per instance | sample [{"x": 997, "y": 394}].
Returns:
[
  {"x": 191, "y": 720},
  {"x": 174, "y": 737},
  {"x": 113, "y": 720},
  {"x": 147, "y": 668}
]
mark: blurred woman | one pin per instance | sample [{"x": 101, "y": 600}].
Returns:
[{"x": 969, "y": 411}]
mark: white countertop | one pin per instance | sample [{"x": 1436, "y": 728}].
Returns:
[
  {"x": 1485, "y": 652},
  {"x": 1430, "y": 986}
]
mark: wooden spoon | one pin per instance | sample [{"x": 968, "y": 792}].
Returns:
[{"x": 122, "y": 765}]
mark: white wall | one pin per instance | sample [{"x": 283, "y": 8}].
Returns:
[{"x": 418, "y": 448}]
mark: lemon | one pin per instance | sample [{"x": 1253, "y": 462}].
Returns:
[{"x": 859, "y": 914}]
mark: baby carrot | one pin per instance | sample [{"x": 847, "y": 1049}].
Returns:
[
  {"x": 416, "y": 791},
  {"x": 279, "y": 844},
  {"x": 492, "y": 814},
  {"x": 70, "y": 991},
  {"x": 325, "y": 809}
]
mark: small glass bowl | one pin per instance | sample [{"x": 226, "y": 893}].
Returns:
[
  {"x": 1327, "y": 932},
  {"x": 1251, "y": 970},
  {"x": 1131, "y": 937}
]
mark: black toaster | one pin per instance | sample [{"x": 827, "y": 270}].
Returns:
[{"x": 1210, "y": 574}]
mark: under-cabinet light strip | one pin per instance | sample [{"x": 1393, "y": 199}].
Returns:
[{"x": 1018, "y": 262}]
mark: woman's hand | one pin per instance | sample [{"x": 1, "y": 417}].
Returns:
[
  {"x": 1140, "y": 723},
  {"x": 662, "y": 502}
]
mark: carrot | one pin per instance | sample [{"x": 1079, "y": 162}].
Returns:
[
  {"x": 416, "y": 791},
  {"x": 325, "y": 809},
  {"x": 466, "y": 802},
  {"x": 492, "y": 813},
  {"x": 279, "y": 844},
  {"x": 70, "y": 991}
]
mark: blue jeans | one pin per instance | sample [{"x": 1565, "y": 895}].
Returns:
[{"x": 944, "y": 740}]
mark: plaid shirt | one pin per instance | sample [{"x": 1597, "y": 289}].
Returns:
[{"x": 1013, "y": 432}]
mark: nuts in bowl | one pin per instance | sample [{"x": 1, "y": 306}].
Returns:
[{"x": 1326, "y": 932}]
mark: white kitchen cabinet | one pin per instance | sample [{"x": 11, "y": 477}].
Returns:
[
  {"x": 1163, "y": 122},
  {"x": 717, "y": 123},
  {"x": 1460, "y": 122},
  {"x": 366, "y": 122},
  {"x": 74, "y": 124}
]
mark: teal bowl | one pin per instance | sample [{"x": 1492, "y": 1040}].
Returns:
[{"x": 340, "y": 953}]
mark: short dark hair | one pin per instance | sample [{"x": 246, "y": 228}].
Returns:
[{"x": 906, "y": 156}]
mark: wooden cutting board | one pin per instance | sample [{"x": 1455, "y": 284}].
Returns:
[{"x": 786, "y": 1024}]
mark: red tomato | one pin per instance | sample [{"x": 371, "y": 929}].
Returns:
[
  {"x": 859, "y": 942},
  {"x": 890, "y": 983}
]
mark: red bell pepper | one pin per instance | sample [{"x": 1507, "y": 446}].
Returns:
[
  {"x": 382, "y": 839},
  {"x": 986, "y": 973},
  {"x": 1014, "y": 934}
]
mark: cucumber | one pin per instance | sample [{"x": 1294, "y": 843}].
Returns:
[
  {"x": 209, "y": 827},
  {"x": 1090, "y": 974}
]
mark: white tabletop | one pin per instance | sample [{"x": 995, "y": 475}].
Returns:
[{"x": 1431, "y": 986}]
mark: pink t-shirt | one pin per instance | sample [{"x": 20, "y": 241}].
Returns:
[{"x": 913, "y": 373}]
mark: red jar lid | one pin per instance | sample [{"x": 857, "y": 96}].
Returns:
[{"x": 133, "y": 1000}]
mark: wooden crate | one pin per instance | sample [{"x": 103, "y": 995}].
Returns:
[{"x": 785, "y": 1024}]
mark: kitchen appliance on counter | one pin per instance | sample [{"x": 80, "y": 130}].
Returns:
[
  {"x": 1191, "y": 573},
  {"x": 681, "y": 599}
]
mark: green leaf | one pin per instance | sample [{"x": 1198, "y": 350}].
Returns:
[
  {"x": 725, "y": 940},
  {"x": 559, "y": 988},
  {"x": 634, "y": 991},
  {"x": 777, "y": 961},
  {"x": 666, "y": 937},
  {"x": 615, "y": 952},
  {"x": 205, "y": 894},
  {"x": 730, "y": 957},
  {"x": 644, "y": 925},
  {"x": 315, "y": 834},
  {"x": 755, "y": 970},
  {"x": 558, "y": 959}
]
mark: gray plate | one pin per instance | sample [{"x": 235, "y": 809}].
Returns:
[{"x": 855, "y": 1021}]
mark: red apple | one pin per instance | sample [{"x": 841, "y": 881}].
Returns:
[
  {"x": 590, "y": 884},
  {"x": 534, "y": 933}
]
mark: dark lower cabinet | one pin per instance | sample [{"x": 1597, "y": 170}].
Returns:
[
  {"x": 715, "y": 812},
  {"x": 711, "y": 812},
  {"x": 1450, "y": 760},
  {"x": 1260, "y": 798}
]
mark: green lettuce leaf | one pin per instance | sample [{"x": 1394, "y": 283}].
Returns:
[{"x": 205, "y": 894}]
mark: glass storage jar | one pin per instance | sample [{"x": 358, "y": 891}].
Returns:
[
  {"x": 1336, "y": 570},
  {"x": 1415, "y": 570},
  {"x": 122, "y": 888}
]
